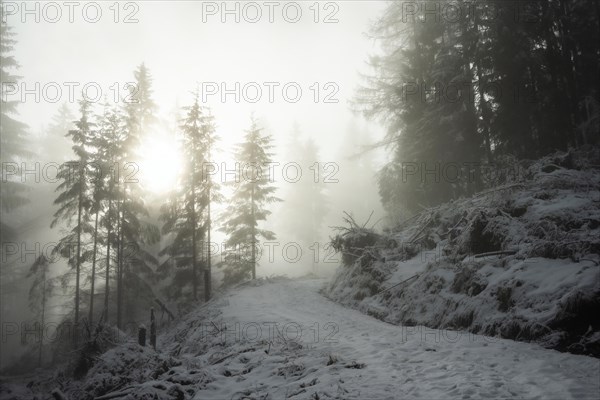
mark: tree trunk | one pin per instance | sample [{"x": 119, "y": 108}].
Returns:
[
  {"x": 483, "y": 106},
  {"x": 207, "y": 271},
  {"x": 43, "y": 315},
  {"x": 253, "y": 225},
  {"x": 152, "y": 329},
  {"x": 194, "y": 250},
  {"x": 119, "y": 263},
  {"x": 91, "y": 314},
  {"x": 78, "y": 267},
  {"x": 108, "y": 238},
  {"x": 568, "y": 54},
  {"x": 558, "y": 85},
  {"x": 473, "y": 185}
]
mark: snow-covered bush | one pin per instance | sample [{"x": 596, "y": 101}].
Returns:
[{"x": 355, "y": 242}]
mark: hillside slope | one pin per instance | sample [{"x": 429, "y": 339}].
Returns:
[{"x": 520, "y": 261}]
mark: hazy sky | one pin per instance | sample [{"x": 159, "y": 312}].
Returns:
[{"x": 186, "y": 43}]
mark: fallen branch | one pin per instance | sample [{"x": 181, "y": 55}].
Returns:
[
  {"x": 220, "y": 360},
  {"x": 414, "y": 241},
  {"x": 497, "y": 189},
  {"x": 397, "y": 284},
  {"x": 368, "y": 219},
  {"x": 495, "y": 253},
  {"x": 114, "y": 395},
  {"x": 455, "y": 226},
  {"x": 409, "y": 219},
  {"x": 506, "y": 214},
  {"x": 164, "y": 308},
  {"x": 411, "y": 240}
]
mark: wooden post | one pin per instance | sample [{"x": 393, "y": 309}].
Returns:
[
  {"x": 142, "y": 335},
  {"x": 58, "y": 395}
]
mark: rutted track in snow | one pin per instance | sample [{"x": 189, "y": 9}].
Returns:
[{"x": 399, "y": 362}]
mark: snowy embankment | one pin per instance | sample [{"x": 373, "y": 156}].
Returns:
[
  {"x": 282, "y": 339},
  {"x": 520, "y": 261}
]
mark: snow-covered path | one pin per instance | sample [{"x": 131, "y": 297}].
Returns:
[{"x": 370, "y": 359}]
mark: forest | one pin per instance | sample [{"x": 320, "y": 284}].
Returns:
[
  {"x": 492, "y": 84},
  {"x": 415, "y": 189}
]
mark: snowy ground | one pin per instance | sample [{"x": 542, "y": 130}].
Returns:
[
  {"x": 520, "y": 261},
  {"x": 246, "y": 344},
  {"x": 398, "y": 362}
]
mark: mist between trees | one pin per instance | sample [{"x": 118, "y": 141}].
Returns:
[
  {"x": 265, "y": 252},
  {"x": 129, "y": 172},
  {"x": 116, "y": 248}
]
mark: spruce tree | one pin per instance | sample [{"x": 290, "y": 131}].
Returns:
[
  {"x": 73, "y": 201},
  {"x": 133, "y": 230},
  {"x": 13, "y": 134},
  {"x": 110, "y": 143},
  {"x": 252, "y": 191},
  {"x": 104, "y": 142},
  {"x": 186, "y": 214}
]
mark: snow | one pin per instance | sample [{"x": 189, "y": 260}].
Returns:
[
  {"x": 246, "y": 344},
  {"x": 543, "y": 285},
  {"x": 398, "y": 361}
]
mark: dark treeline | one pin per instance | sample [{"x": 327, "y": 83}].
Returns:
[
  {"x": 469, "y": 84},
  {"x": 13, "y": 133}
]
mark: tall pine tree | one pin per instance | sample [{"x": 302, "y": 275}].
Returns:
[
  {"x": 252, "y": 191},
  {"x": 186, "y": 214},
  {"x": 13, "y": 133},
  {"x": 73, "y": 200},
  {"x": 134, "y": 267}
]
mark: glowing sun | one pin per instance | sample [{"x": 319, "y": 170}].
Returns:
[{"x": 160, "y": 163}]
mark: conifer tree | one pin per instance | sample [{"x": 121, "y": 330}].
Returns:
[
  {"x": 501, "y": 79},
  {"x": 133, "y": 231},
  {"x": 186, "y": 213},
  {"x": 73, "y": 201},
  {"x": 13, "y": 133},
  {"x": 40, "y": 291},
  {"x": 252, "y": 191},
  {"x": 110, "y": 143}
]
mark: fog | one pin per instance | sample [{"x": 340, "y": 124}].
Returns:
[
  {"x": 297, "y": 74},
  {"x": 234, "y": 199},
  {"x": 182, "y": 51}
]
